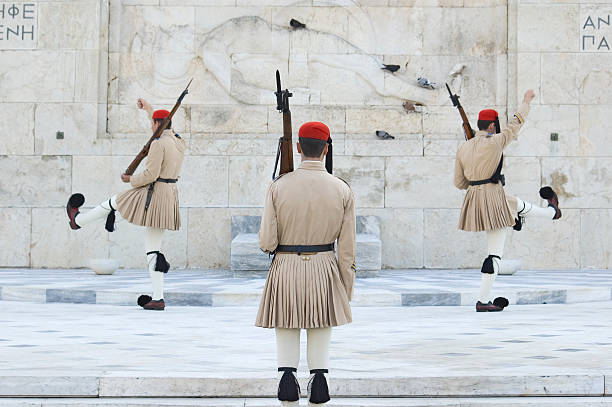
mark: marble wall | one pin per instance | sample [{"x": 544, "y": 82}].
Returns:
[{"x": 87, "y": 61}]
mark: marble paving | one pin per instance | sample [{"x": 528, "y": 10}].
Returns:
[
  {"x": 94, "y": 340},
  {"x": 223, "y": 288}
]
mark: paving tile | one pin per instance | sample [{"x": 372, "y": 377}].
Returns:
[
  {"x": 212, "y": 341},
  {"x": 71, "y": 296}
]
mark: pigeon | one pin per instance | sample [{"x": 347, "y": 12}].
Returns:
[
  {"x": 296, "y": 24},
  {"x": 412, "y": 106},
  {"x": 457, "y": 70},
  {"x": 383, "y": 135},
  {"x": 424, "y": 83},
  {"x": 409, "y": 106},
  {"x": 390, "y": 68}
]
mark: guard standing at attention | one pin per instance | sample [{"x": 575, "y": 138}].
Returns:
[{"x": 306, "y": 212}]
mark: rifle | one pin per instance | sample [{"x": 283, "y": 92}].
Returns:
[
  {"x": 467, "y": 129},
  {"x": 145, "y": 150},
  {"x": 285, "y": 147}
]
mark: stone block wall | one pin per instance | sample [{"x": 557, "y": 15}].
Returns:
[
  {"x": 562, "y": 50},
  {"x": 88, "y": 61}
]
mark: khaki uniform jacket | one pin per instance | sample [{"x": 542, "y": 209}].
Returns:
[
  {"x": 164, "y": 160},
  {"x": 486, "y": 206},
  {"x": 308, "y": 207}
]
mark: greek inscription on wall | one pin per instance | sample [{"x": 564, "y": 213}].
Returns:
[
  {"x": 595, "y": 29},
  {"x": 18, "y": 25}
]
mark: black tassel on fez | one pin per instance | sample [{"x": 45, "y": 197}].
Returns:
[
  {"x": 319, "y": 392},
  {"x": 288, "y": 387}
]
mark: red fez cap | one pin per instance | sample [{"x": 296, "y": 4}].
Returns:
[
  {"x": 316, "y": 130},
  {"x": 488, "y": 114},
  {"x": 161, "y": 114}
]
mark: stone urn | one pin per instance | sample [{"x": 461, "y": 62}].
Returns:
[
  {"x": 508, "y": 267},
  {"x": 104, "y": 266}
]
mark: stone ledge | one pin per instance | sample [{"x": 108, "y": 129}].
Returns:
[
  {"x": 118, "y": 385},
  {"x": 336, "y": 402},
  {"x": 221, "y": 288},
  {"x": 49, "y": 386},
  {"x": 247, "y": 256}
]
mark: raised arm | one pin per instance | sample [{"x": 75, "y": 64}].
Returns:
[
  {"x": 143, "y": 104},
  {"x": 510, "y": 133}
]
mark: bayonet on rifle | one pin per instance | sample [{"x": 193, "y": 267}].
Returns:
[
  {"x": 467, "y": 129},
  {"x": 284, "y": 153}
]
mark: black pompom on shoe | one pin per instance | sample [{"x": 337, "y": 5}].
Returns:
[
  {"x": 501, "y": 302},
  {"x": 76, "y": 200},
  {"x": 553, "y": 200},
  {"x": 144, "y": 299},
  {"x": 72, "y": 209}
]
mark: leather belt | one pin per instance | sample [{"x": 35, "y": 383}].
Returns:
[
  {"x": 283, "y": 248},
  {"x": 152, "y": 185},
  {"x": 501, "y": 178}
]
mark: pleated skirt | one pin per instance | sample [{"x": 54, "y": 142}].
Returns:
[
  {"x": 163, "y": 210},
  {"x": 304, "y": 293},
  {"x": 486, "y": 207}
]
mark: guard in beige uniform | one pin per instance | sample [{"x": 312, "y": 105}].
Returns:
[
  {"x": 152, "y": 202},
  {"x": 486, "y": 207},
  {"x": 305, "y": 212}
]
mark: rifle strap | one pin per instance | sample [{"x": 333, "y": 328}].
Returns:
[
  {"x": 278, "y": 154},
  {"x": 497, "y": 176}
]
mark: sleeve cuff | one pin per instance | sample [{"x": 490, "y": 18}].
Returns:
[
  {"x": 519, "y": 117},
  {"x": 522, "y": 112}
]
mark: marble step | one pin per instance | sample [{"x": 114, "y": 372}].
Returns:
[
  {"x": 335, "y": 402},
  {"x": 238, "y": 297},
  {"x": 183, "y": 385}
]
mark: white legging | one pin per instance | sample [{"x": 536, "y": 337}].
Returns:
[
  {"x": 288, "y": 351},
  {"x": 496, "y": 240},
  {"x": 153, "y": 240},
  {"x": 288, "y": 347},
  {"x": 99, "y": 212}
]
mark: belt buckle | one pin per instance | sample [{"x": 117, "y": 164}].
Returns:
[{"x": 305, "y": 256}]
